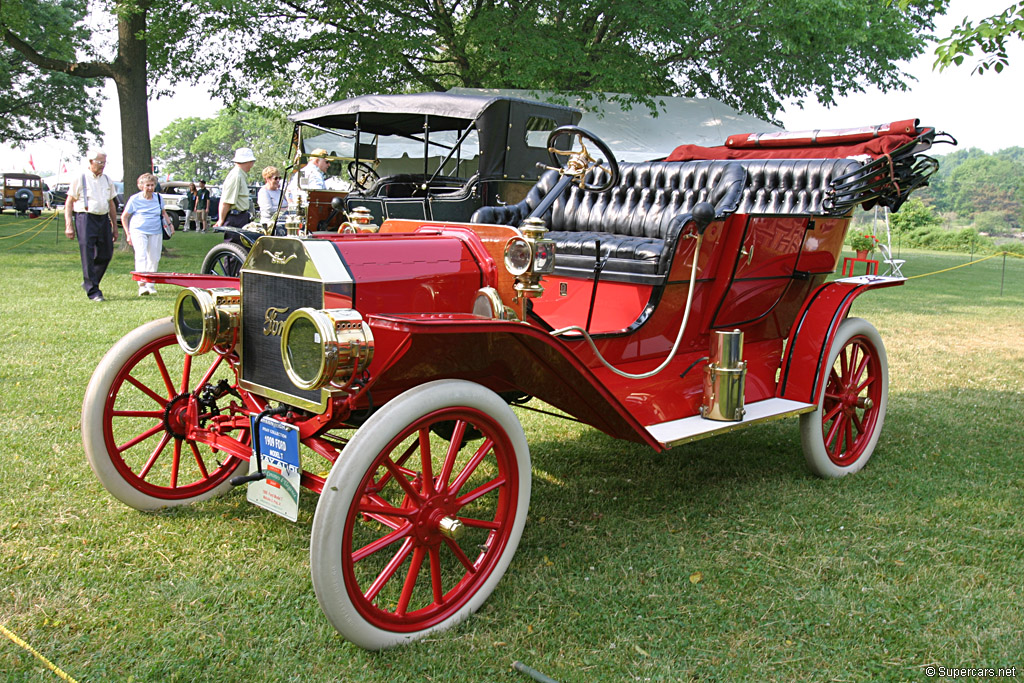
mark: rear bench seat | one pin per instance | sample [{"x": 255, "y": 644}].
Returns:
[
  {"x": 639, "y": 220},
  {"x": 790, "y": 186}
]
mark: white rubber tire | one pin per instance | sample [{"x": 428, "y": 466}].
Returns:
[
  {"x": 819, "y": 461},
  {"x": 343, "y": 484},
  {"x": 93, "y": 421}
]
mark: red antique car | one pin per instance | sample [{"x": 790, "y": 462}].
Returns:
[{"x": 659, "y": 302}]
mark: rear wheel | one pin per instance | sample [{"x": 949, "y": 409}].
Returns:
[
  {"x": 134, "y": 416},
  {"x": 840, "y": 436},
  {"x": 224, "y": 259},
  {"x": 412, "y": 531}
]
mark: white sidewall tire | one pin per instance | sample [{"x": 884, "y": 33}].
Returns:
[
  {"x": 343, "y": 483},
  {"x": 811, "y": 436},
  {"x": 93, "y": 407}
]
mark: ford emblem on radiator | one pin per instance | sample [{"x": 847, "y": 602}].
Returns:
[
  {"x": 272, "y": 324},
  {"x": 277, "y": 258}
]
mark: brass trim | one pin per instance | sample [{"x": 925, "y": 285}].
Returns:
[
  {"x": 220, "y": 311},
  {"x": 346, "y": 347}
]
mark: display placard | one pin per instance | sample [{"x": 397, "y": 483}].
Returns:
[{"x": 279, "y": 450}]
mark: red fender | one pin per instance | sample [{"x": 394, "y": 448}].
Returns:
[
  {"x": 186, "y": 279},
  {"x": 811, "y": 335}
]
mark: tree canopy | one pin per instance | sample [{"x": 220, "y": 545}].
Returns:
[
  {"x": 989, "y": 36},
  {"x": 36, "y": 103},
  {"x": 195, "y": 148},
  {"x": 750, "y": 54}
]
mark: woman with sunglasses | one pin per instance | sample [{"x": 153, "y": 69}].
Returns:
[{"x": 269, "y": 199}]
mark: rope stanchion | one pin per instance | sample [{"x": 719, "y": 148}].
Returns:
[
  {"x": 965, "y": 265},
  {"x": 49, "y": 665}
]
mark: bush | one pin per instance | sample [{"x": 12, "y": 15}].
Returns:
[{"x": 939, "y": 239}]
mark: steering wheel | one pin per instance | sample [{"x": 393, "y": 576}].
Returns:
[
  {"x": 362, "y": 174},
  {"x": 577, "y": 163}
]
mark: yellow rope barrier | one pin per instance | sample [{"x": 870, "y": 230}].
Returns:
[
  {"x": 964, "y": 265},
  {"x": 35, "y": 223},
  {"x": 37, "y": 232},
  {"x": 49, "y": 665}
]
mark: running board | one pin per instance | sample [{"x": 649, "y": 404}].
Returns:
[{"x": 688, "y": 429}]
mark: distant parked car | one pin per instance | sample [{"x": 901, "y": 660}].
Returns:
[
  {"x": 173, "y": 193},
  {"x": 22, "y": 192},
  {"x": 59, "y": 194}
]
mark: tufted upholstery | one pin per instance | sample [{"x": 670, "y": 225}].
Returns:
[
  {"x": 790, "y": 186},
  {"x": 637, "y": 222}
]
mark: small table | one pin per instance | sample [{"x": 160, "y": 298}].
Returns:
[{"x": 849, "y": 262}]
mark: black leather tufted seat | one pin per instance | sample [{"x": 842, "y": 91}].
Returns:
[
  {"x": 637, "y": 222},
  {"x": 790, "y": 186}
]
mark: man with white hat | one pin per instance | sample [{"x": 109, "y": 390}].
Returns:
[
  {"x": 235, "y": 203},
  {"x": 313, "y": 175}
]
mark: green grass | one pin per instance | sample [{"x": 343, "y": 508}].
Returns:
[{"x": 722, "y": 560}]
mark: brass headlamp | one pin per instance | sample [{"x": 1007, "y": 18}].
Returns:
[
  {"x": 325, "y": 346},
  {"x": 529, "y": 257},
  {"x": 204, "y": 318}
]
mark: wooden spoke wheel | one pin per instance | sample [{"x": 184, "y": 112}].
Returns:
[
  {"x": 413, "y": 531},
  {"x": 139, "y": 403},
  {"x": 840, "y": 436}
]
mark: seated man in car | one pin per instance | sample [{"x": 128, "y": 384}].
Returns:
[{"x": 313, "y": 176}]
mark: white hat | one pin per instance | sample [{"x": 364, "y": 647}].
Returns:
[{"x": 243, "y": 154}]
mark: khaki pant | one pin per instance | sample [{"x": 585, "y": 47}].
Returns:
[{"x": 202, "y": 222}]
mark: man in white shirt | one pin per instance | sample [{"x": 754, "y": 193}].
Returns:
[
  {"x": 314, "y": 177},
  {"x": 234, "y": 195},
  {"x": 90, "y": 214}
]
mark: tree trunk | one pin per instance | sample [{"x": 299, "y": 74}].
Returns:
[{"x": 132, "y": 96}]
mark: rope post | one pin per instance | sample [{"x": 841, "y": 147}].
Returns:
[{"x": 1003, "y": 278}]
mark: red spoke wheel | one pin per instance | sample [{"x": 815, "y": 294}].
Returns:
[
  {"x": 414, "y": 530},
  {"x": 840, "y": 436},
  {"x": 136, "y": 410}
]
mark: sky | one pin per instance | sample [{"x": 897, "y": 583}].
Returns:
[{"x": 979, "y": 111}]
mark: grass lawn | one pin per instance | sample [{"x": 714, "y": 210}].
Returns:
[{"x": 721, "y": 560}]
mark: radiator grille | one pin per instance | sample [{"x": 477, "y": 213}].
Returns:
[{"x": 267, "y": 300}]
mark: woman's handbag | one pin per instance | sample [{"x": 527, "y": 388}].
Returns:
[{"x": 168, "y": 225}]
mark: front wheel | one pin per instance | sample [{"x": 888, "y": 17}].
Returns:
[
  {"x": 135, "y": 415},
  {"x": 413, "y": 531},
  {"x": 840, "y": 436}
]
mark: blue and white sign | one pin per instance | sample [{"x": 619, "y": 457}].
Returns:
[{"x": 279, "y": 449}]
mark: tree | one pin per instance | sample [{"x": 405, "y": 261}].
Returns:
[
  {"x": 747, "y": 53},
  {"x": 913, "y": 215},
  {"x": 989, "y": 183},
  {"x": 36, "y": 104},
  {"x": 127, "y": 67},
  {"x": 195, "y": 148},
  {"x": 989, "y": 36}
]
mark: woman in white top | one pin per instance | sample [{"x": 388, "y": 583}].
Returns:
[
  {"x": 269, "y": 198},
  {"x": 143, "y": 218}
]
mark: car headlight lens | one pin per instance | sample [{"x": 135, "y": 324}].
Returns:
[
  {"x": 518, "y": 256},
  {"x": 204, "y": 318},
  {"x": 320, "y": 347}
]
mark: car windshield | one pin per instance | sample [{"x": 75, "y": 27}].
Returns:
[{"x": 391, "y": 155}]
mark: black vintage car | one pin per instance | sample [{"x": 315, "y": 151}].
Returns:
[{"x": 426, "y": 156}]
